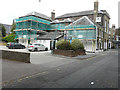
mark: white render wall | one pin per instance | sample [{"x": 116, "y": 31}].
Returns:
[
  {"x": 89, "y": 45},
  {"x": 44, "y": 42}
]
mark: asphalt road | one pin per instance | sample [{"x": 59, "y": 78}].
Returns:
[{"x": 57, "y": 72}]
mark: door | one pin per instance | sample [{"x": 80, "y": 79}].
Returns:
[{"x": 28, "y": 41}]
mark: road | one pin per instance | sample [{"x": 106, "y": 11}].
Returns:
[{"x": 61, "y": 72}]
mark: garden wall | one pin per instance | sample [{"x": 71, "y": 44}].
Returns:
[
  {"x": 16, "y": 56},
  {"x": 69, "y": 53}
]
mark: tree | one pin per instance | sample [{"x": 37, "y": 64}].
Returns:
[
  {"x": 3, "y": 31},
  {"x": 9, "y": 38},
  {"x": 13, "y": 27}
]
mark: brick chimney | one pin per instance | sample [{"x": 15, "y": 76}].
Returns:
[
  {"x": 113, "y": 26},
  {"x": 53, "y": 15},
  {"x": 95, "y": 10}
]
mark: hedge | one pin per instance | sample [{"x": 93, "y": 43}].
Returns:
[
  {"x": 77, "y": 45},
  {"x": 65, "y": 45}
]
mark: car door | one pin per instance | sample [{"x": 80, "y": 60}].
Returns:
[
  {"x": 38, "y": 46},
  {"x": 15, "y": 46},
  {"x": 20, "y": 46},
  {"x": 42, "y": 47}
]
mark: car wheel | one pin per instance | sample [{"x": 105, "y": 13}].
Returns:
[
  {"x": 35, "y": 49},
  {"x": 46, "y": 49}
]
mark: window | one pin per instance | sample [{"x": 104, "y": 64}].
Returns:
[
  {"x": 118, "y": 38},
  {"x": 41, "y": 45},
  {"x": 108, "y": 28},
  {"x": 105, "y": 26},
  {"x": 109, "y": 31},
  {"x": 36, "y": 44},
  {"x": 102, "y": 34}
]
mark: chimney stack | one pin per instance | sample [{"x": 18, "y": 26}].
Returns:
[
  {"x": 113, "y": 26},
  {"x": 95, "y": 10},
  {"x": 53, "y": 15}
]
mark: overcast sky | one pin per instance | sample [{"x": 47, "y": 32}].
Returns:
[{"x": 11, "y": 9}]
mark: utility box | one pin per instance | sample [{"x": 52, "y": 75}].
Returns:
[{"x": 52, "y": 45}]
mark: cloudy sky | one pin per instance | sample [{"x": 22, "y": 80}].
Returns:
[{"x": 11, "y": 9}]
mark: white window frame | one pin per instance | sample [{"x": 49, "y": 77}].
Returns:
[
  {"x": 102, "y": 34},
  {"x": 105, "y": 25},
  {"x": 108, "y": 28}
]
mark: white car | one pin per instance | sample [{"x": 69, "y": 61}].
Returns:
[{"x": 36, "y": 47}]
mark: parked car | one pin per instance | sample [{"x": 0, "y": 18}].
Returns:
[
  {"x": 9, "y": 43},
  {"x": 36, "y": 47},
  {"x": 16, "y": 46}
]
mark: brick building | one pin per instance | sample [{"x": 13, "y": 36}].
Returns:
[
  {"x": 99, "y": 18},
  {"x": 91, "y": 27}
]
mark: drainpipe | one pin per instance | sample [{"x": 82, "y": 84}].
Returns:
[
  {"x": 96, "y": 4},
  {"x": 96, "y": 37}
]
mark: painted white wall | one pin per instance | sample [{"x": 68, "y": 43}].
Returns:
[
  {"x": 105, "y": 45},
  {"x": 88, "y": 45},
  {"x": 23, "y": 41}
]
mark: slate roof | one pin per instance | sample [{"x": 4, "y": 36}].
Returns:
[
  {"x": 83, "y": 21},
  {"x": 50, "y": 35},
  {"x": 55, "y": 21},
  {"x": 88, "y": 12},
  {"x": 38, "y": 15},
  {"x": 68, "y": 20}
]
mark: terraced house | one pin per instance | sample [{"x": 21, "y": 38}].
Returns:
[{"x": 91, "y": 27}]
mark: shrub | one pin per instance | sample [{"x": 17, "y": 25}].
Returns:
[
  {"x": 77, "y": 45},
  {"x": 63, "y": 45},
  {"x": 9, "y": 38}
]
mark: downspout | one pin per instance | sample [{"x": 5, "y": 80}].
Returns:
[{"x": 96, "y": 37}]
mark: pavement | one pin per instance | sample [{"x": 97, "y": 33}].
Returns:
[
  {"x": 48, "y": 53},
  {"x": 54, "y": 71}
]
